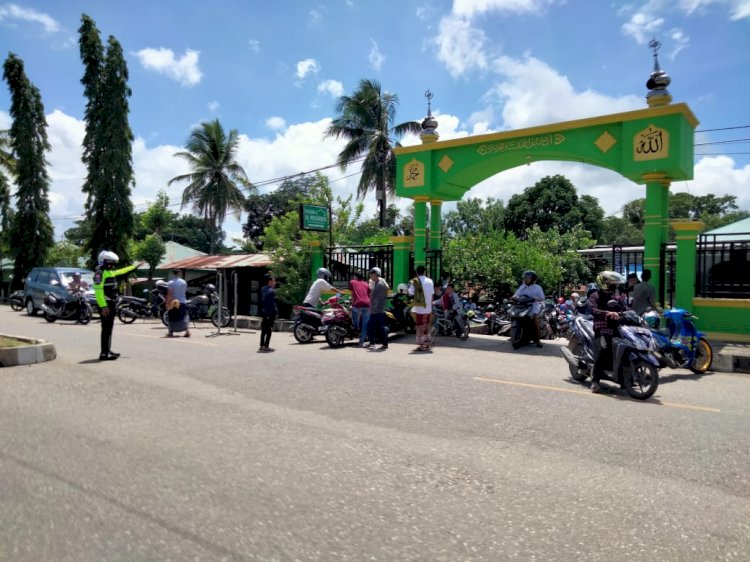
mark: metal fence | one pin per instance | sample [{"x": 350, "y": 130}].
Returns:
[
  {"x": 625, "y": 260},
  {"x": 433, "y": 264},
  {"x": 668, "y": 262},
  {"x": 343, "y": 262},
  {"x": 723, "y": 266}
]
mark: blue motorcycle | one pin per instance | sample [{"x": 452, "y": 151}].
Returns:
[{"x": 682, "y": 346}]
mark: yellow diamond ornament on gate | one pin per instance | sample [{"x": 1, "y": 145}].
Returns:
[
  {"x": 605, "y": 142},
  {"x": 445, "y": 163}
]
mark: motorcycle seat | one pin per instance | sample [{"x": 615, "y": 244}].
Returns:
[{"x": 135, "y": 299}]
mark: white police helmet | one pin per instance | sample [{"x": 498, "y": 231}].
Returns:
[{"x": 107, "y": 257}]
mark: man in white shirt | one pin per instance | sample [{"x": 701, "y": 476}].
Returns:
[
  {"x": 529, "y": 288},
  {"x": 321, "y": 284},
  {"x": 423, "y": 291}
]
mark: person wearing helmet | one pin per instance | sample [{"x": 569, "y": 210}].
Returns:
[
  {"x": 606, "y": 311},
  {"x": 105, "y": 290},
  {"x": 78, "y": 286},
  {"x": 321, "y": 284},
  {"x": 529, "y": 288},
  {"x": 422, "y": 288},
  {"x": 378, "y": 294},
  {"x": 360, "y": 305}
]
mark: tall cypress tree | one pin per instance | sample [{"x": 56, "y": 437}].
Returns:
[
  {"x": 107, "y": 145},
  {"x": 31, "y": 233}
]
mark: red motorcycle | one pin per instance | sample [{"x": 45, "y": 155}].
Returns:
[
  {"x": 339, "y": 326},
  {"x": 309, "y": 321}
]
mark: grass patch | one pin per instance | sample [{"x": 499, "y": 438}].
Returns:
[{"x": 11, "y": 342}]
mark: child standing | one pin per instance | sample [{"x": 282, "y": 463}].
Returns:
[{"x": 268, "y": 312}]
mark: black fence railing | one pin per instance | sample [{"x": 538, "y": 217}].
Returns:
[
  {"x": 343, "y": 262},
  {"x": 433, "y": 264},
  {"x": 668, "y": 262},
  {"x": 723, "y": 266}
]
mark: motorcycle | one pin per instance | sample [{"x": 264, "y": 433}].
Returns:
[
  {"x": 682, "y": 345},
  {"x": 399, "y": 317},
  {"x": 203, "y": 306},
  {"x": 74, "y": 307},
  {"x": 308, "y": 321},
  {"x": 16, "y": 300},
  {"x": 635, "y": 362},
  {"x": 522, "y": 328},
  {"x": 130, "y": 308},
  {"x": 339, "y": 326}
]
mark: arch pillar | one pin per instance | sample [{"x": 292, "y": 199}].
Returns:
[
  {"x": 420, "y": 229},
  {"x": 436, "y": 230},
  {"x": 656, "y": 226}
]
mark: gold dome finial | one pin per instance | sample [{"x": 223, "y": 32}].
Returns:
[{"x": 657, "y": 84}]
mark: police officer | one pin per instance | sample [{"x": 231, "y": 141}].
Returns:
[{"x": 105, "y": 290}]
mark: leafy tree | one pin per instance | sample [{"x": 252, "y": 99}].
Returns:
[
  {"x": 107, "y": 144},
  {"x": 158, "y": 218},
  {"x": 79, "y": 234},
  {"x": 215, "y": 182},
  {"x": 365, "y": 120},
  {"x": 635, "y": 213},
  {"x": 196, "y": 233},
  {"x": 64, "y": 254},
  {"x": 475, "y": 215},
  {"x": 7, "y": 172},
  {"x": 620, "y": 231},
  {"x": 151, "y": 250},
  {"x": 552, "y": 203},
  {"x": 31, "y": 233},
  {"x": 262, "y": 208}
]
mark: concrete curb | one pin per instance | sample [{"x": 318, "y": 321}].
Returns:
[
  {"x": 731, "y": 358},
  {"x": 38, "y": 351}
]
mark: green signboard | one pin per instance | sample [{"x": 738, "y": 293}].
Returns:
[{"x": 313, "y": 217}]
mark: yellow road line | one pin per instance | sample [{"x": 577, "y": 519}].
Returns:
[{"x": 589, "y": 393}]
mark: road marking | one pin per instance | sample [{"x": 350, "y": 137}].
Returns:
[{"x": 589, "y": 393}]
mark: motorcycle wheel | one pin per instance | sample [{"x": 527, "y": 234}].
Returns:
[
  {"x": 643, "y": 380},
  {"x": 515, "y": 336},
  {"x": 165, "y": 318},
  {"x": 16, "y": 306},
  {"x": 49, "y": 317},
  {"x": 226, "y": 317},
  {"x": 303, "y": 334},
  {"x": 84, "y": 316},
  {"x": 704, "y": 356},
  {"x": 335, "y": 336},
  {"x": 125, "y": 318},
  {"x": 574, "y": 346},
  {"x": 465, "y": 335}
]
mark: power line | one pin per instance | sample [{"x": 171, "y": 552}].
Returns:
[
  {"x": 733, "y": 141},
  {"x": 724, "y": 129},
  {"x": 719, "y": 153}
]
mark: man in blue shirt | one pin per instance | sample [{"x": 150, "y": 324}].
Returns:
[
  {"x": 268, "y": 312},
  {"x": 179, "y": 320}
]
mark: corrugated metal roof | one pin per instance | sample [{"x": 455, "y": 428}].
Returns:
[
  {"x": 211, "y": 263},
  {"x": 739, "y": 227}
]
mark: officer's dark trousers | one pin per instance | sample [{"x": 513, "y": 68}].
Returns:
[{"x": 108, "y": 323}]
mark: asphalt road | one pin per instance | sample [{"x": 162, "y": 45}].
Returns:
[{"x": 203, "y": 449}]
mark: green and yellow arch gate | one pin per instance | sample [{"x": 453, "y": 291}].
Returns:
[{"x": 652, "y": 146}]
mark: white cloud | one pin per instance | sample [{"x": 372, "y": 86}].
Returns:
[
  {"x": 254, "y": 45},
  {"x": 316, "y": 16},
  {"x": 642, "y": 27},
  {"x": 306, "y": 68},
  {"x": 460, "y": 46},
  {"x": 333, "y": 87},
  {"x": 738, "y": 9},
  {"x": 533, "y": 93},
  {"x": 680, "y": 41},
  {"x": 10, "y": 12},
  {"x": 471, "y": 8},
  {"x": 213, "y": 106},
  {"x": 718, "y": 175},
  {"x": 183, "y": 69},
  {"x": 275, "y": 123},
  {"x": 375, "y": 57}
]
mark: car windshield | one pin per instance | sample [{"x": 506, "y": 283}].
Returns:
[{"x": 86, "y": 277}]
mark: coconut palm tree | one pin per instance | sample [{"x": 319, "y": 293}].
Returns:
[
  {"x": 216, "y": 180},
  {"x": 365, "y": 120}
]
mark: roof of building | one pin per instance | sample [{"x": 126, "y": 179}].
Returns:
[
  {"x": 211, "y": 263},
  {"x": 174, "y": 253},
  {"x": 741, "y": 230}
]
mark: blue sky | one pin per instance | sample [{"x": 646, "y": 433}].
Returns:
[{"x": 273, "y": 70}]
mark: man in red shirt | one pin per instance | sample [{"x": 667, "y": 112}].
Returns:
[{"x": 360, "y": 305}]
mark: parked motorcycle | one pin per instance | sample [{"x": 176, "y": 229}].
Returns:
[
  {"x": 308, "y": 322},
  {"x": 339, "y": 327},
  {"x": 73, "y": 307},
  {"x": 16, "y": 301},
  {"x": 635, "y": 363},
  {"x": 682, "y": 345},
  {"x": 129, "y": 308},
  {"x": 522, "y": 328},
  {"x": 446, "y": 325},
  {"x": 203, "y": 306}
]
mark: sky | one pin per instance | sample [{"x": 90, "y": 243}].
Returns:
[{"x": 274, "y": 70}]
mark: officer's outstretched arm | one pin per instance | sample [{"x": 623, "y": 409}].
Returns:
[{"x": 123, "y": 270}]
